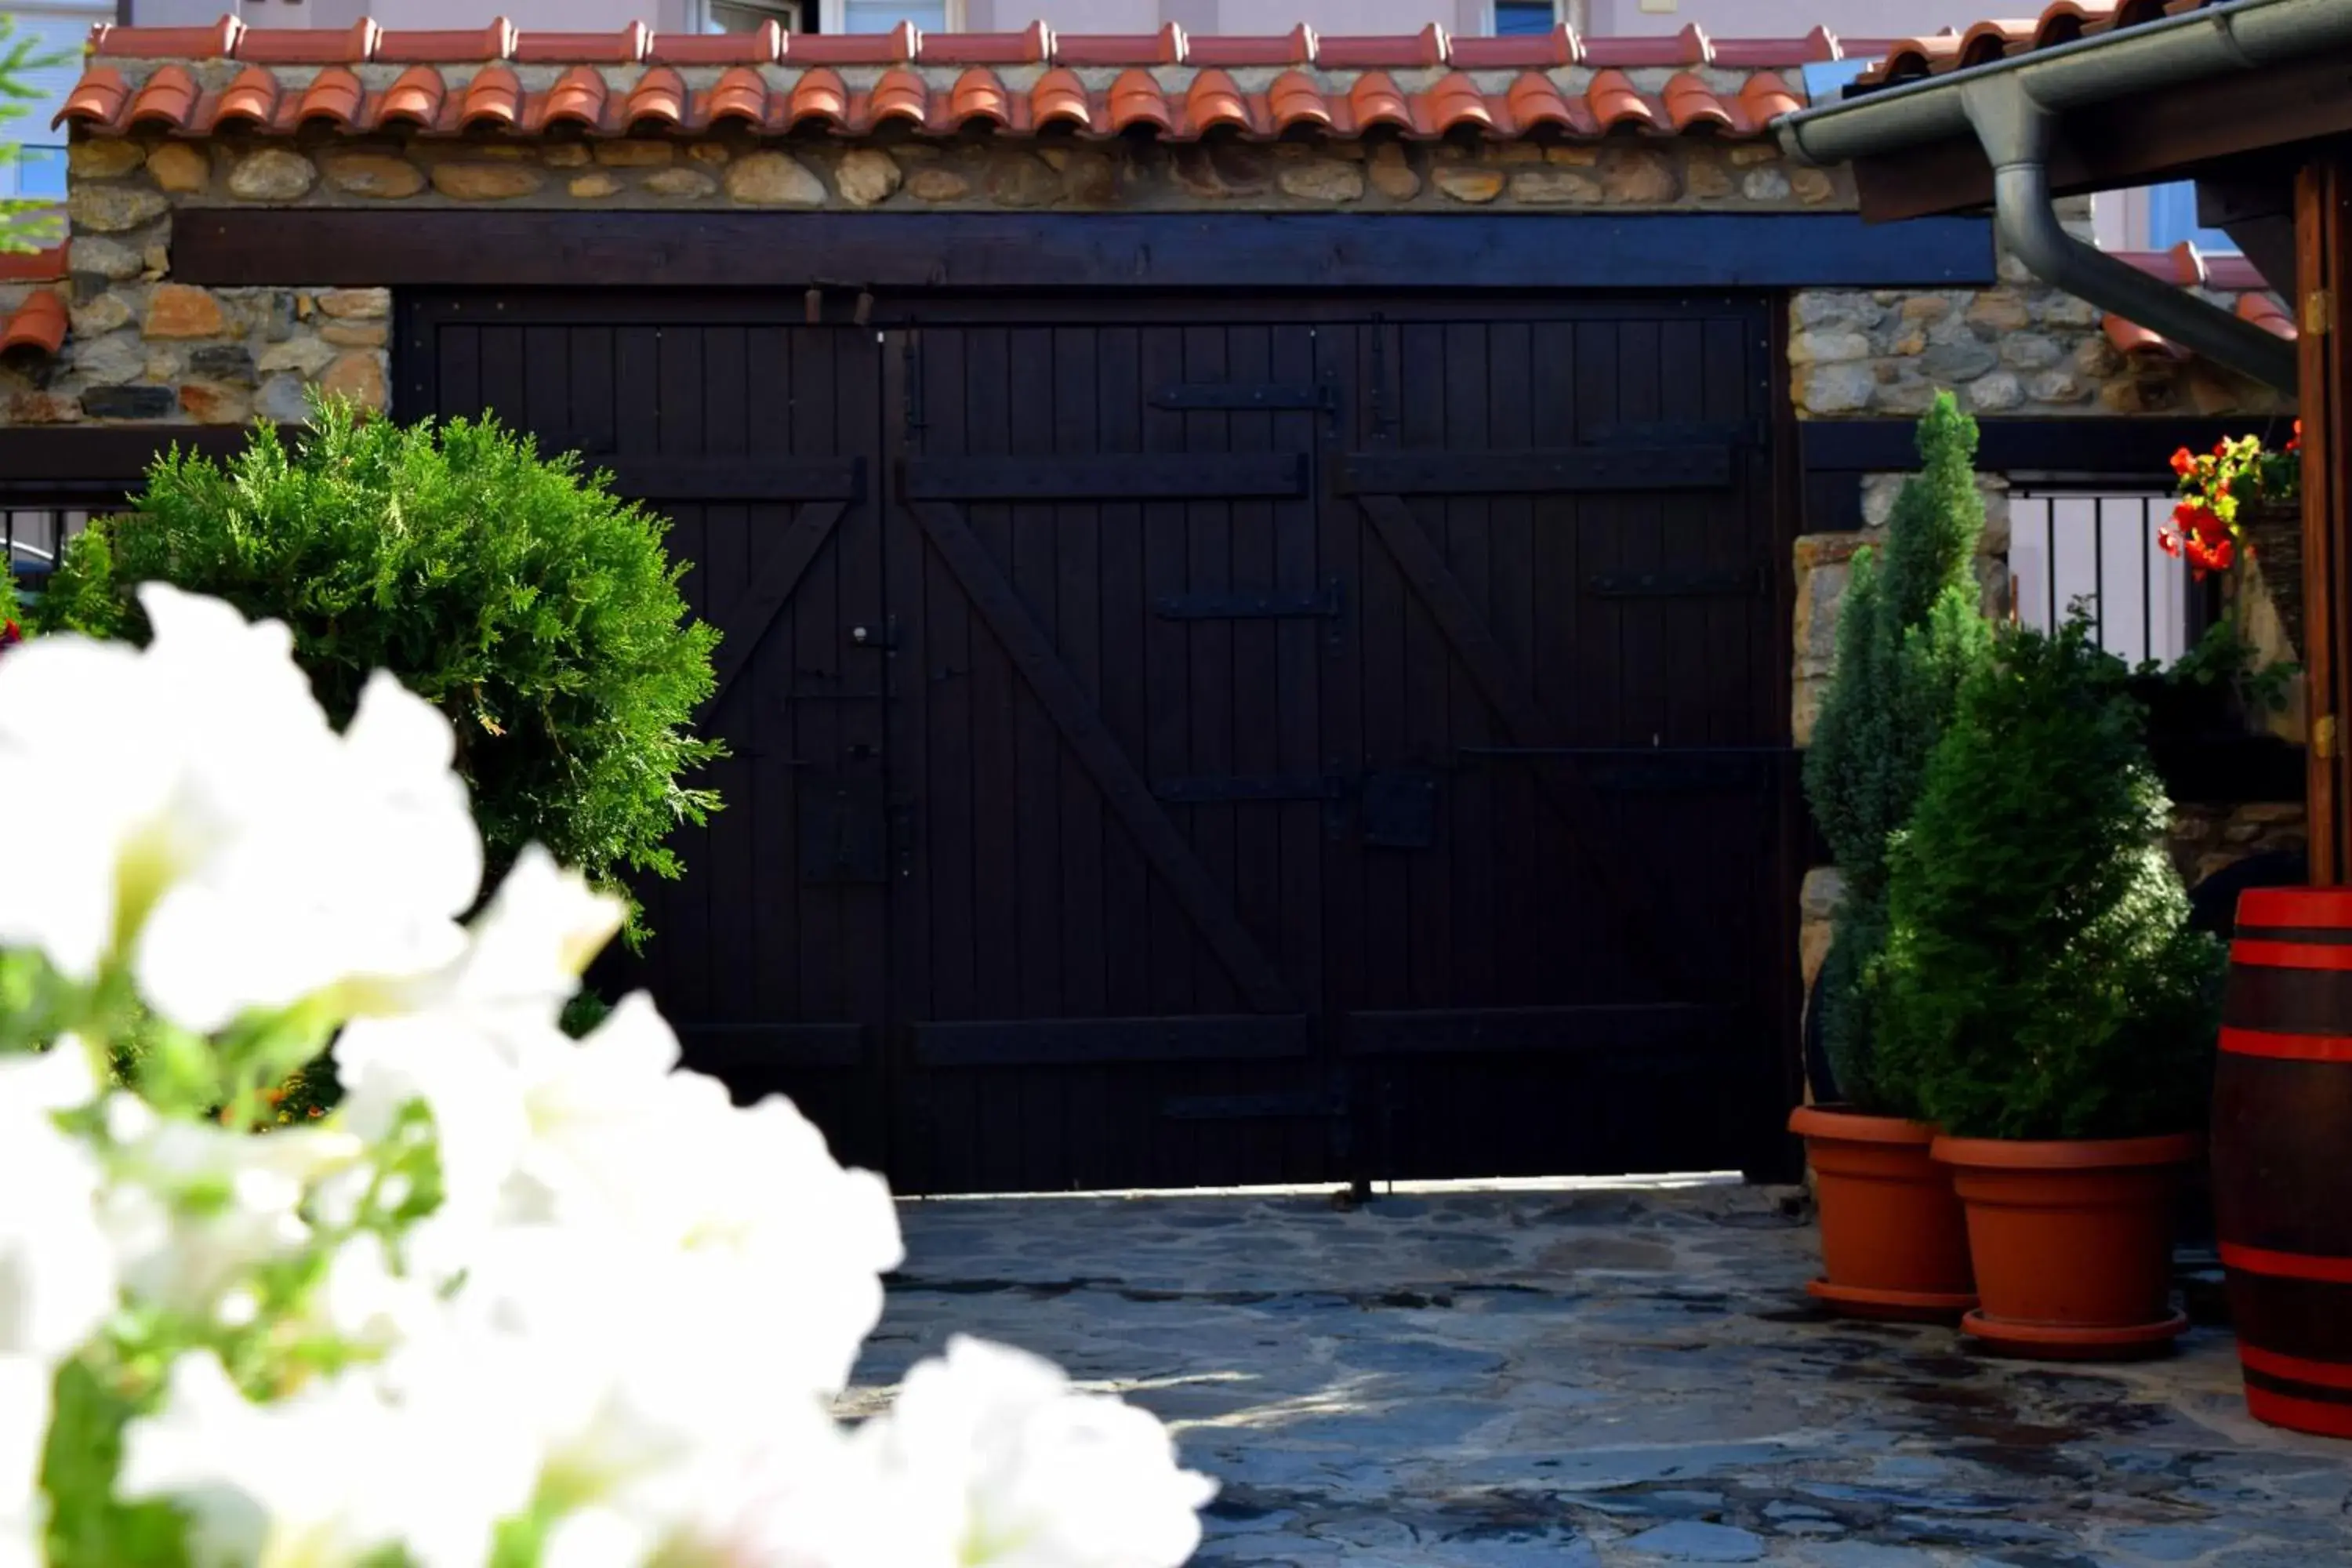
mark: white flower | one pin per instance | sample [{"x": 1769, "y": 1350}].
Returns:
[
  {"x": 333, "y": 1474},
  {"x": 195, "y": 1206},
  {"x": 993, "y": 1444},
  {"x": 56, "y": 1273},
  {"x": 196, "y": 790},
  {"x": 526, "y": 953},
  {"x": 25, "y": 1400},
  {"x": 362, "y": 878}
]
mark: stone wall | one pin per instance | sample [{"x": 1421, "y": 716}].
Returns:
[
  {"x": 2209, "y": 838},
  {"x": 144, "y": 348},
  {"x": 2019, "y": 348}
]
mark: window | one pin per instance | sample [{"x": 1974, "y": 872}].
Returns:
[
  {"x": 2099, "y": 546},
  {"x": 55, "y": 30},
  {"x": 881, "y": 16},
  {"x": 2172, "y": 217},
  {"x": 1522, "y": 18},
  {"x": 751, "y": 15}
]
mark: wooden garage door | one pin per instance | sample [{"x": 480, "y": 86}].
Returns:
[{"x": 1183, "y": 745}]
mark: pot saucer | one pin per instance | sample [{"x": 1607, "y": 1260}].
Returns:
[
  {"x": 1892, "y": 1306},
  {"x": 2051, "y": 1342}
]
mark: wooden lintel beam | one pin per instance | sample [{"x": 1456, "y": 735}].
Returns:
[{"x": 325, "y": 246}]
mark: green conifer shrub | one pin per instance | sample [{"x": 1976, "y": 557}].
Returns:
[
  {"x": 536, "y": 609},
  {"x": 2040, "y": 979},
  {"x": 1909, "y": 632}
]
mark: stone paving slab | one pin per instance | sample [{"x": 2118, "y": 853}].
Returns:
[{"x": 1597, "y": 1377}]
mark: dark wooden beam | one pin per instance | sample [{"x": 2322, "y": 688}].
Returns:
[
  {"x": 1257, "y": 251},
  {"x": 2324, "y": 272},
  {"x": 2092, "y": 447},
  {"x": 2132, "y": 142},
  {"x": 98, "y": 464}
]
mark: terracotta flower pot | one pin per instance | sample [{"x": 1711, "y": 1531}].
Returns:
[
  {"x": 1893, "y": 1244},
  {"x": 2072, "y": 1242}
]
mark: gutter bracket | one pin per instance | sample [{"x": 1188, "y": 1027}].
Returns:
[{"x": 2014, "y": 130}]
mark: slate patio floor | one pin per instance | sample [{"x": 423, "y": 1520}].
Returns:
[{"x": 1598, "y": 1375}]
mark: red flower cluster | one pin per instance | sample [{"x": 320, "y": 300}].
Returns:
[
  {"x": 2197, "y": 533},
  {"x": 2204, "y": 527},
  {"x": 11, "y": 634}
]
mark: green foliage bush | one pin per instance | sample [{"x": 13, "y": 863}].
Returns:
[
  {"x": 2040, "y": 979},
  {"x": 1909, "y": 632},
  {"x": 536, "y": 609}
]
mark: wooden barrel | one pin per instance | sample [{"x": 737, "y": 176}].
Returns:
[{"x": 2282, "y": 1155}]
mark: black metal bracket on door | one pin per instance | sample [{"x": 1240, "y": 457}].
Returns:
[
  {"x": 1685, "y": 583},
  {"x": 1244, "y": 398},
  {"x": 1396, "y": 808},
  {"x": 1643, "y": 770},
  {"x": 1326, "y": 603}
]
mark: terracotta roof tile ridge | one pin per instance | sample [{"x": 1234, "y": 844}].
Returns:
[{"x": 637, "y": 43}]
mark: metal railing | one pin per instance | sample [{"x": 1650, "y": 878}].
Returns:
[
  {"x": 33, "y": 539},
  {"x": 2097, "y": 546}
]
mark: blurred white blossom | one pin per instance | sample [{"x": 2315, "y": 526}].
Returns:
[{"x": 514, "y": 1282}]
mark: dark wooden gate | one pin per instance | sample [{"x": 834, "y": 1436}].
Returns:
[{"x": 1184, "y": 743}]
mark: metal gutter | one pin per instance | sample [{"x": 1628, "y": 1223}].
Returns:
[{"x": 2009, "y": 105}]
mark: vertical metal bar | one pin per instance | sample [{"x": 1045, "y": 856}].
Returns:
[
  {"x": 2050, "y": 561},
  {"x": 2147, "y": 588},
  {"x": 2099, "y": 569}
]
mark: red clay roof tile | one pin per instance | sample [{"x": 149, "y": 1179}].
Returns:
[
  {"x": 625, "y": 47},
  {"x": 2060, "y": 22},
  {"x": 494, "y": 42},
  {"x": 216, "y": 42},
  {"x": 1165, "y": 48},
  {"x": 1295, "y": 47},
  {"x": 37, "y": 327},
  {"x": 1135, "y": 100},
  {"x": 43, "y": 265},
  {"x": 459, "y": 82},
  {"x": 167, "y": 99},
  {"x": 895, "y": 47},
  {"x": 737, "y": 94},
  {"x": 415, "y": 98},
  {"x": 1060, "y": 98},
  {"x": 660, "y": 96},
  {"x": 1418, "y": 51},
  {"x": 1534, "y": 103},
  {"x": 577, "y": 99},
  {"x": 1032, "y": 45},
  {"x": 820, "y": 95},
  {"x": 1530, "y": 51},
  {"x": 492, "y": 100},
  {"x": 764, "y": 45},
  {"x": 309, "y": 46},
  {"x": 900, "y": 95},
  {"x": 1376, "y": 100},
  {"x": 1455, "y": 102},
  {"x": 1213, "y": 101},
  {"x": 251, "y": 99}
]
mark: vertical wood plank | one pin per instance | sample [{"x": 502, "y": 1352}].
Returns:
[{"x": 2321, "y": 273}]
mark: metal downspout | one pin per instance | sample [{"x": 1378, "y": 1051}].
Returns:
[{"x": 2014, "y": 132}]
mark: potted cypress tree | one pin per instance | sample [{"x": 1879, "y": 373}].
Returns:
[
  {"x": 2043, "y": 992},
  {"x": 1893, "y": 1241}
]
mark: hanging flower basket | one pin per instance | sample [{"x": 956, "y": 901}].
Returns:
[{"x": 2243, "y": 499}]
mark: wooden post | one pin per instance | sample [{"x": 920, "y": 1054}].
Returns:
[{"x": 2323, "y": 231}]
